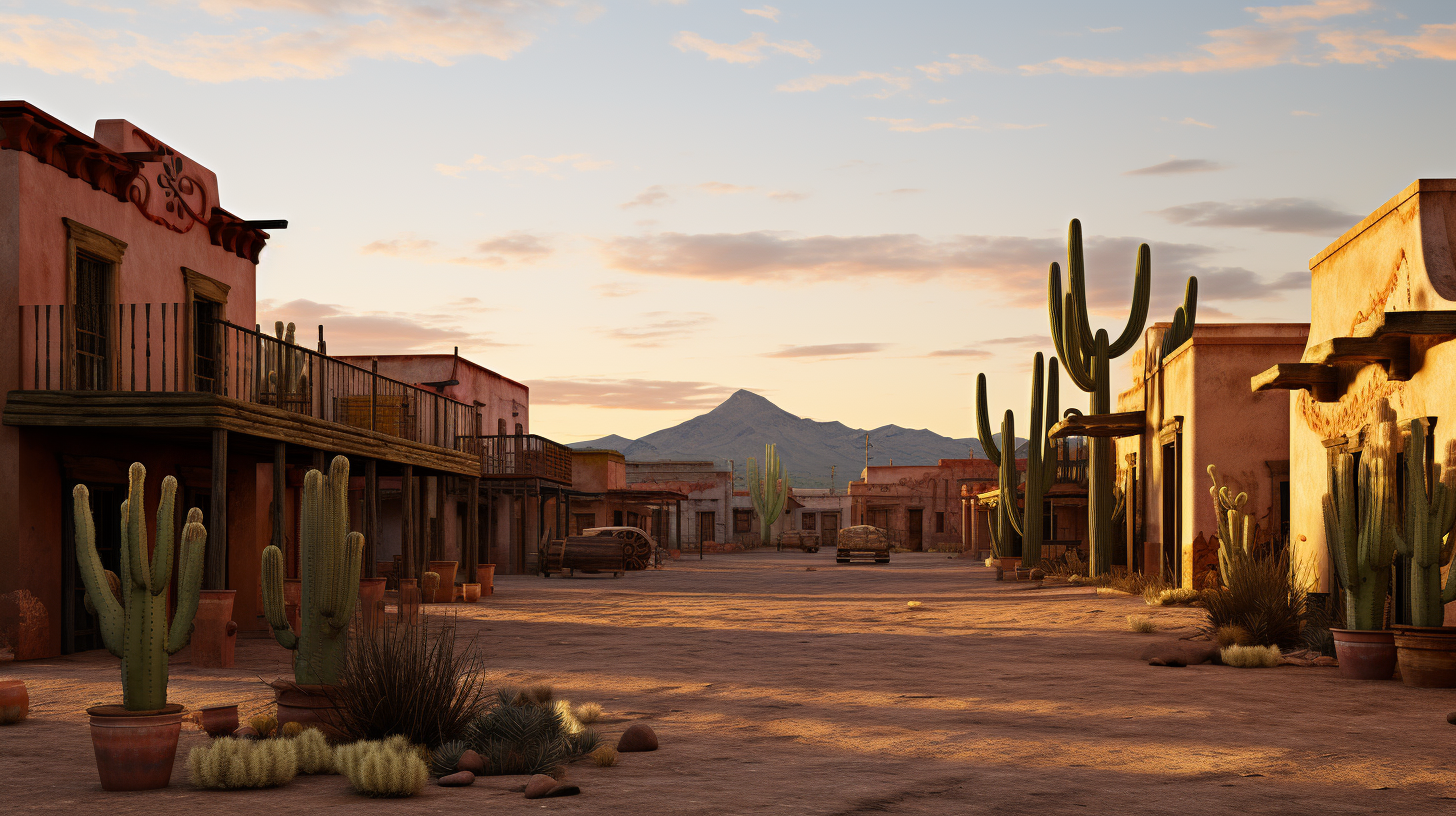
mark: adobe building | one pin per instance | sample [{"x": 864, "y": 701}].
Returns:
[
  {"x": 601, "y": 496},
  {"x": 919, "y": 505},
  {"x": 823, "y": 510},
  {"x": 1189, "y": 410},
  {"x": 708, "y": 490},
  {"x": 1064, "y": 505},
  {"x": 1383, "y": 316}
]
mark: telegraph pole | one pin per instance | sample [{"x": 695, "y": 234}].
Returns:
[{"x": 831, "y": 479}]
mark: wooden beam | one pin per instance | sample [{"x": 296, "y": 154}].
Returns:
[
  {"x": 371, "y": 516},
  {"x": 1320, "y": 380},
  {"x": 406, "y": 522},
  {"x": 471, "y": 545},
  {"x": 1417, "y": 323},
  {"x": 280, "y": 485},
  {"x": 1389, "y": 351},
  {"x": 216, "y": 553},
  {"x": 1126, "y": 423},
  {"x": 439, "y": 543}
]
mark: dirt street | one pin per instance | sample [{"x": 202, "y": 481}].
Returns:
[{"x": 784, "y": 683}]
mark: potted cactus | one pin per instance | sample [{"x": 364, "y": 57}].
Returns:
[
  {"x": 330, "y": 557},
  {"x": 136, "y": 742},
  {"x": 1362, "y": 548},
  {"x": 1427, "y": 648}
]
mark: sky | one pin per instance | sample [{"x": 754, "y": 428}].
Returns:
[{"x": 638, "y": 207}]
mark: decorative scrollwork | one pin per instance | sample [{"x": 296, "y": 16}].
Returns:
[{"x": 181, "y": 199}]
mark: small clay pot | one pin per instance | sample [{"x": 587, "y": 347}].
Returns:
[
  {"x": 485, "y": 576},
  {"x": 311, "y": 706},
  {"x": 14, "y": 701},
  {"x": 371, "y": 602},
  {"x": 135, "y": 749},
  {"x": 220, "y": 720},
  {"x": 1365, "y": 655},
  {"x": 471, "y": 592}
]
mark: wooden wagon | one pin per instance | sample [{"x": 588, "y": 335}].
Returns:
[
  {"x": 598, "y": 550},
  {"x": 806, "y": 540}
]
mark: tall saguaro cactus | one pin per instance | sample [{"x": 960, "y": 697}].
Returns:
[
  {"x": 330, "y": 557},
  {"x": 768, "y": 490},
  {"x": 1360, "y": 540},
  {"x": 1429, "y": 512},
  {"x": 134, "y": 627},
  {"x": 1086, "y": 356},
  {"x": 1041, "y": 463}
]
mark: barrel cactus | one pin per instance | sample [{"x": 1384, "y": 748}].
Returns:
[
  {"x": 134, "y": 625},
  {"x": 330, "y": 555}
]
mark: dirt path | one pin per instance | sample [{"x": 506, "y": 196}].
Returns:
[{"x": 783, "y": 683}]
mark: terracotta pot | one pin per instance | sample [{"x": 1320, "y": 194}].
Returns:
[
  {"x": 371, "y": 602},
  {"x": 14, "y": 701},
  {"x": 471, "y": 592},
  {"x": 214, "y": 634},
  {"x": 1427, "y": 655},
  {"x": 135, "y": 749},
  {"x": 311, "y": 706},
  {"x": 445, "y": 592},
  {"x": 674, "y": 554},
  {"x": 409, "y": 599},
  {"x": 485, "y": 576},
  {"x": 1365, "y": 655},
  {"x": 1005, "y": 565},
  {"x": 220, "y": 720}
]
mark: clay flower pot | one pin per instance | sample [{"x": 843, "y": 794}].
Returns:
[
  {"x": 485, "y": 576},
  {"x": 674, "y": 554},
  {"x": 311, "y": 706},
  {"x": 14, "y": 701},
  {"x": 445, "y": 592},
  {"x": 371, "y": 602},
  {"x": 135, "y": 749},
  {"x": 1365, "y": 655},
  {"x": 220, "y": 720},
  {"x": 471, "y": 592},
  {"x": 1005, "y": 565},
  {"x": 214, "y": 634},
  {"x": 1427, "y": 655}
]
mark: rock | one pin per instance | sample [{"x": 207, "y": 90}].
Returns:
[
  {"x": 459, "y": 779},
  {"x": 1037, "y": 575},
  {"x": 563, "y": 789},
  {"x": 637, "y": 737},
  {"x": 1180, "y": 653},
  {"x": 246, "y": 732},
  {"x": 471, "y": 761},
  {"x": 538, "y": 786},
  {"x": 1451, "y": 718}
]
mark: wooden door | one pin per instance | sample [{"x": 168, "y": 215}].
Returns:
[
  {"x": 829, "y": 530},
  {"x": 914, "y": 528},
  {"x": 707, "y": 525}
]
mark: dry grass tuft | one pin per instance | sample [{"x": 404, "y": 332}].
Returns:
[
  {"x": 588, "y": 713},
  {"x": 1232, "y": 634},
  {"x": 1141, "y": 623},
  {"x": 604, "y": 757},
  {"x": 1250, "y": 657},
  {"x": 264, "y": 724}
]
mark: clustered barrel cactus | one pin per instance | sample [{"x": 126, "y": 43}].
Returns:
[
  {"x": 1085, "y": 355},
  {"x": 1429, "y": 512},
  {"x": 1041, "y": 465},
  {"x": 330, "y": 556},
  {"x": 134, "y": 626},
  {"x": 768, "y": 490},
  {"x": 1235, "y": 527},
  {"x": 1361, "y": 543}
]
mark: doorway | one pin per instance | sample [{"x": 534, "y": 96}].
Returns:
[
  {"x": 1172, "y": 517},
  {"x": 707, "y": 526},
  {"x": 829, "y": 525},
  {"x": 914, "y": 529},
  {"x": 79, "y": 631}
]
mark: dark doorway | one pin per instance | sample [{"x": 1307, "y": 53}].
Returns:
[
  {"x": 1172, "y": 527},
  {"x": 914, "y": 528},
  {"x": 707, "y": 526},
  {"x": 79, "y": 630},
  {"x": 829, "y": 537}
]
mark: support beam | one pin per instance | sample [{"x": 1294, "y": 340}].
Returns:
[
  {"x": 216, "y": 554},
  {"x": 471, "y": 545},
  {"x": 371, "y": 516},
  {"x": 280, "y": 487},
  {"x": 321, "y": 461},
  {"x": 407, "y": 522},
  {"x": 422, "y": 526},
  {"x": 438, "y": 545}
]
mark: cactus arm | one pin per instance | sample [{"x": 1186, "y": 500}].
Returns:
[
  {"x": 1049, "y": 455},
  {"x": 354, "y": 552},
  {"x": 136, "y": 530},
  {"x": 272, "y": 587},
  {"x": 1008, "y": 476},
  {"x": 108, "y": 609},
  {"x": 754, "y": 492},
  {"x": 161, "y": 572},
  {"x": 983, "y": 423},
  {"x": 1138, "y": 315},
  {"x": 189, "y": 581}
]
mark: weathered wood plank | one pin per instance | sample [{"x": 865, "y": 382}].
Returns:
[
  {"x": 1125, "y": 423},
  {"x": 1392, "y": 352},
  {"x": 1320, "y": 380}
]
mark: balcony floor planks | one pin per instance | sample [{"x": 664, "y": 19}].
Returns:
[{"x": 200, "y": 410}]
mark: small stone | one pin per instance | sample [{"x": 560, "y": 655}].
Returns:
[
  {"x": 539, "y": 785},
  {"x": 471, "y": 761},
  {"x": 637, "y": 737},
  {"x": 246, "y": 732},
  {"x": 459, "y": 779},
  {"x": 1451, "y": 718}
]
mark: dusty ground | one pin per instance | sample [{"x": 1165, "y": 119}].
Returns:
[{"x": 776, "y": 688}]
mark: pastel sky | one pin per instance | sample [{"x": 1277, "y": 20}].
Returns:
[{"x": 638, "y": 207}]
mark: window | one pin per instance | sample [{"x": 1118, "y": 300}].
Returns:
[
  {"x": 742, "y": 521},
  {"x": 206, "y": 309},
  {"x": 617, "y": 518},
  {"x": 93, "y": 259},
  {"x": 808, "y": 521},
  {"x": 939, "y": 521}
]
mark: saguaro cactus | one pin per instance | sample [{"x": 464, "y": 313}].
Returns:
[
  {"x": 134, "y": 627},
  {"x": 1235, "y": 530},
  {"x": 330, "y": 557},
  {"x": 1429, "y": 511},
  {"x": 1360, "y": 540},
  {"x": 768, "y": 490},
  {"x": 1085, "y": 355},
  {"x": 1041, "y": 462}
]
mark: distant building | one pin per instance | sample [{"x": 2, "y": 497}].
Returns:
[{"x": 920, "y": 505}]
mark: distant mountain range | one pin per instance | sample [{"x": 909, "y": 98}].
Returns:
[{"x": 739, "y": 427}]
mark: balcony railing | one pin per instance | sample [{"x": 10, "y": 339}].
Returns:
[
  {"x": 147, "y": 347},
  {"x": 524, "y": 456}
]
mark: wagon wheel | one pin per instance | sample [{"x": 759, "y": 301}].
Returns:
[{"x": 636, "y": 549}]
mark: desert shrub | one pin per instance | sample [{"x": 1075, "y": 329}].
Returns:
[
  {"x": 1250, "y": 657},
  {"x": 264, "y": 724},
  {"x": 414, "y": 680},
  {"x": 445, "y": 758},
  {"x": 1076, "y": 580},
  {"x": 518, "y": 735},
  {"x": 312, "y": 751},
  {"x": 1141, "y": 623},
  {"x": 383, "y": 768},
  {"x": 587, "y": 713},
  {"x": 229, "y": 763},
  {"x": 1264, "y": 598},
  {"x": 291, "y": 729},
  {"x": 1179, "y": 595},
  {"x": 605, "y": 756},
  {"x": 1231, "y": 634}
]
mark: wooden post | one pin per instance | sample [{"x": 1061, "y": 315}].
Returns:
[
  {"x": 321, "y": 462},
  {"x": 422, "y": 527},
  {"x": 371, "y": 515},
  {"x": 439, "y": 542},
  {"x": 216, "y": 553},
  {"x": 406, "y": 523},
  {"x": 280, "y": 486},
  {"x": 471, "y": 545}
]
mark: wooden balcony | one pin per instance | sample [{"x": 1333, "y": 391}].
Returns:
[
  {"x": 145, "y": 368},
  {"x": 523, "y": 456}
]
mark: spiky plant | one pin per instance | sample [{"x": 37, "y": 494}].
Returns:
[
  {"x": 388, "y": 768},
  {"x": 1360, "y": 537},
  {"x": 768, "y": 490},
  {"x": 1430, "y": 508},
  {"x": 520, "y": 737},
  {"x": 1250, "y": 657},
  {"x": 1141, "y": 623},
  {"x": 1235, "y": 527},
  {"x": 1041, "y": 464},
  {"x": 229, "y": 763},
  {"x": 444, "y": 758},
  {"x": 312, "y": 749},
  {"x": 605, "y": 756},
  {"x": 264, "y": 724}
]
